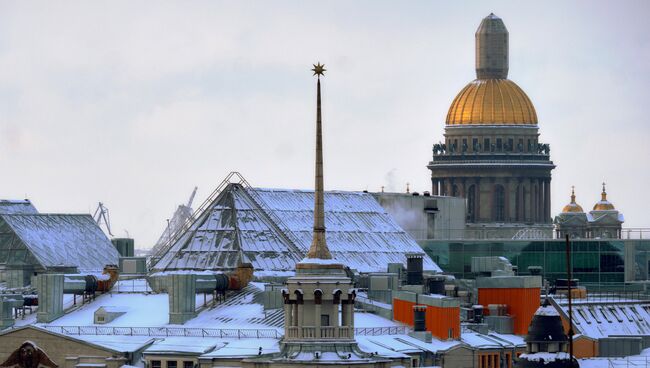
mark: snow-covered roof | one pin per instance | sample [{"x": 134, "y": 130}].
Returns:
[
  {"x": 610, "y": 318},
  {"x": 61, "y": 240},
  {"x": 491, "y": 341},
  {"x": 185, "y": 345},
  {"x": 272, "y": 229},
  {"x": 17, "y": 206}
]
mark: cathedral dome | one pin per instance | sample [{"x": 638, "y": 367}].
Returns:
[
  {"x": 573, "y": 207},
  {"x": 604, "y": 204},
  {"x": 491, "y": 102}
]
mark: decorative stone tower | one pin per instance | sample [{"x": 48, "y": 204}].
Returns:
[
  {"x": 317, "y": 295},
  {"x": 491, "y": 154},
  {"x": 572, "y": 220},
  {"x": 605, "y": 221}
]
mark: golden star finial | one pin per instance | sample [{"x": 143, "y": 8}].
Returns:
[{"x": 319, "y": 69}]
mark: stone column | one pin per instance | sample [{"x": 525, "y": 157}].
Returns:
[
  {"x": 317, "y": 312},
  {"x": 507, "y": 214},
  {"x": 434, "y": 187},
  {"x": 477, "y": 201},
  {"x": 520, "y": 196},
  {"x": 547, "y": 200},
  {"x": 527, "y": 199},
  {"x": 287, "y": 318},
  {"x": 463, "y": 188}
]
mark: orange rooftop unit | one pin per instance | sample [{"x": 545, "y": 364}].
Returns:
[
  {"x": 442, "y": 317},
  {"x": 517, "y": 297}
]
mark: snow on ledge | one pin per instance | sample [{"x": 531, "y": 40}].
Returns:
[
  {"x": 544, "y": 357},
  {"x": 320, "y": 261},
  {"x": 547, "y": 311}
]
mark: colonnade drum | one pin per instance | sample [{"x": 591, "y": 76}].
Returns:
[
  {"x": 518, "y": 199},
  {"x": 315, "y": 317}
]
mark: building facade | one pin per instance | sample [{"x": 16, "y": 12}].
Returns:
[{"x": 491, "y": 154}]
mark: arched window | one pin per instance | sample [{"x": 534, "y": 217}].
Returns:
[
  {"x": 471, "y": 203},
  {"x": 499, "y": 203}
]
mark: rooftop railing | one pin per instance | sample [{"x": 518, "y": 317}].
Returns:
[
  {"x": 208, "y": 332},
  {"x": 506, "y": 233}
]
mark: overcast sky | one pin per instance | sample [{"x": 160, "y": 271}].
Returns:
[{"x": 134, "y": 103}]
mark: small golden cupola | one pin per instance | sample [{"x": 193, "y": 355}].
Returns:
[
  {"x": 573, "y": 207},
  {"x": 604, "y": 204}
]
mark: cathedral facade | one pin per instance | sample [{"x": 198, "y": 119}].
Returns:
[{"x": 492, "y": 155}]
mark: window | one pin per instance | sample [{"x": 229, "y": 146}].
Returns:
[
  {"x": 156, "y": 364},
  {"x": 188, "y": 364},
  {"x": 486, "y": 144},
  {"x": 324, "y": 320},
  {"x": 172, "y": 364},
  {"x": 510, "y": 144},
  {"x": 499, "y": 204},
  {"x": 499, "y": 144}
]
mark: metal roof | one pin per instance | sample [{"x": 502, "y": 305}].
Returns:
[
  {"x": 272, "y": 229},
  {"x": 57, "y": 240},
  {"x": 19, "y": 206}
]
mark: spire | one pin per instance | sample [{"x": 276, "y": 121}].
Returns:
[
  {"x": 492, "y": 49},
  {"x": 318, "y": 247},
  {"x": 573, "y": 194},
  {"x": 603, "y": 195}
]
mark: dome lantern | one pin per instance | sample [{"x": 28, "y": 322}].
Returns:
[
  {"x": 572, "y": 207},
  {"x": 491, "y": 48},
  {"x": 604, "y": 204}
]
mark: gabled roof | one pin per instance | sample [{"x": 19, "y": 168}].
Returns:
[
  {"x": 124, "y": 344},
  {"x": 19, "y": 206},
  {"x": 62, "y": 240},
  {"x": 272, "y": 229}
]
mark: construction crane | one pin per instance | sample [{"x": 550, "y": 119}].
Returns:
[
  {"x": 102, "y": 215},
  {"x": 182, "y": 214}
]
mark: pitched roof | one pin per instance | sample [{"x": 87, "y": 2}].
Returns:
[
  {"x": 272, "y": 229},
  {"x": 602, "y": 317},
  {"x": 57, "y": 240},
  {"x": 19, "y": 206}
]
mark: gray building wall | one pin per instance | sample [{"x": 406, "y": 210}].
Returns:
[{"x": 425, "y": 217}]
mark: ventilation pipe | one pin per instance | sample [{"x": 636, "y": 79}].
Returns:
[
  {"x": 183, "y": 288},
  {"x": 414, "y": 268},
  {"x": 7, "y": 304},
  {"x": 50, "y": 297},
  {"x": 51, "y": 287},
  {"x": 419, "y": 318}
]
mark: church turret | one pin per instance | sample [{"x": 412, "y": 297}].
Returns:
[
  {"x": 605, "y": 221},
  {"x": 572, "y": 220}
]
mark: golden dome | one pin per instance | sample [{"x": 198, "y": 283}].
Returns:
[
  {"x": 603, "y": 204},
  {"x": 572, "y": 207},
  {"x": 492, "y": 102}
]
